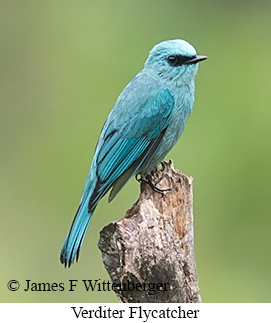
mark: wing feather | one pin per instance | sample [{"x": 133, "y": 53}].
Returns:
[{"x": 122, "y": 150}]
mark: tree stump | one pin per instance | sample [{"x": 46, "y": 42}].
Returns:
[{"x": 149, "y": 253}]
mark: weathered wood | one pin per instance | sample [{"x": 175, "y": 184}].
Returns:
[{"x": 154, "y": 243}]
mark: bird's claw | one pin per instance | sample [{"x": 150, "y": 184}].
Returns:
[
  {"x": 147, "y": 179},
  {"x": 163, "y": 164}
]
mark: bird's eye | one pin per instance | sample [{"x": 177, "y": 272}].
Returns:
[{"x": 172, "y": 60}]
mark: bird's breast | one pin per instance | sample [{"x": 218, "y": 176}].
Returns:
[{"x": 181, "y": 111}]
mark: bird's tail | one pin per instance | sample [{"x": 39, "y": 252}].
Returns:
[{"x": 76, "y": 235}]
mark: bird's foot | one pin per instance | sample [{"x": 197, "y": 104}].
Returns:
[
  {"x": 147, "y": 179},
  {"x": 163, "y": 166}
]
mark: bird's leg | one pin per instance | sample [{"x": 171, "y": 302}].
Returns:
[
  {"x": 154, "y": 171},
  {"x": 159, "y": 179},
  {"x": 147, "y": 179}
]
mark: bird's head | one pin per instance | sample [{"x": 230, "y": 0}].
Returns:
[{"x": 173, "y": 60}]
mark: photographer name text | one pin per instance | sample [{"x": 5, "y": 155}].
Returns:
[{"x": 91, "y": 285}]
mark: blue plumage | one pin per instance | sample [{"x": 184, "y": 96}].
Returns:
[{"x": 144, "y": 124}]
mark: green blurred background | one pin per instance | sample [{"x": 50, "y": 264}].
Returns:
[{"x": 62, "y": 66}]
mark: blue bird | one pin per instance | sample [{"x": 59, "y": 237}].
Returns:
[{"x": 145, "y": 123}]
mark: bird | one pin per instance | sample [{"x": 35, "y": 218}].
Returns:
[{"x": 146, "y": 121}]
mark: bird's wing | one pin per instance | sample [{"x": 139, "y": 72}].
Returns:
[{"x": 125, "y": 148}]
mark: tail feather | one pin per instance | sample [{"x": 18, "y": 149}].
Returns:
[{"x": 73, "y": 242}]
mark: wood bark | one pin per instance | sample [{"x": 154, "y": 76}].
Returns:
[{"x": 149, "y": 253}]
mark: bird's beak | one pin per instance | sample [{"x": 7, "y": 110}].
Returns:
[{"x": 196, "y": 59}]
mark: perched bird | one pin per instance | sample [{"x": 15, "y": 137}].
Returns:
[{"x": 145, "y": 123}]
